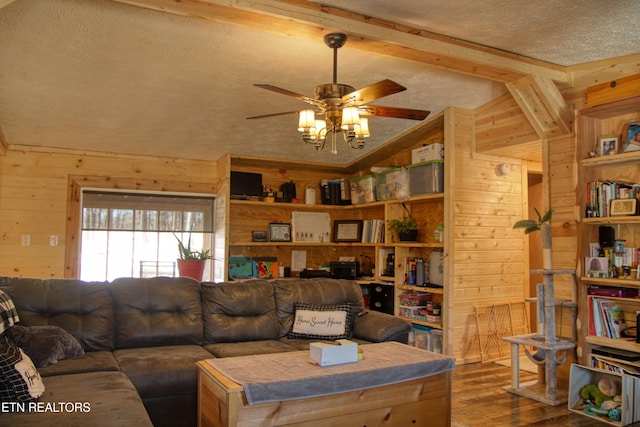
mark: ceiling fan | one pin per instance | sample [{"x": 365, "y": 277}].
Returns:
[{"x": 340, "y": 107}]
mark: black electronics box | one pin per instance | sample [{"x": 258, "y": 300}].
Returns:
[
  {"x": 381, "y": 297},
  {"x": 246, "y": 185},
  {"x": 344, "y": 269},
  {"x": 335, "y": 192}
]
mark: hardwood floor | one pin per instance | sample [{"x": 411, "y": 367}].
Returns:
[{"x": 479, "y": 400}]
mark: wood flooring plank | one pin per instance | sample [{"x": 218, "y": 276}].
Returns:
[{"x": 478, "y": 400}]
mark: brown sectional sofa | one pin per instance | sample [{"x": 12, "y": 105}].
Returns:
[{"x": 142, "y": 338}]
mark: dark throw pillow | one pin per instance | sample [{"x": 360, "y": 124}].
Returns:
[
  {"x": 19, "y": 379},
  {"x": 45, "y": 344},
  {"x": 325, "y": 322}
]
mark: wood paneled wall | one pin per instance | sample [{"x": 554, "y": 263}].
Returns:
[
  {"x": 488, "y": 255},
  {"x": 35, "y": 194}
]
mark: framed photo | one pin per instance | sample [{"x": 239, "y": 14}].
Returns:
[
  {"x": 623, "y": 207},
  {"x": 631, "y": 137},
  {"x": 607, "y": 145},
  {"x": 279, "y": 232},
  {"x": 347, "y": 230},
  {"x": 596, "y": 266},
  {"x": 258, "y": 236}
]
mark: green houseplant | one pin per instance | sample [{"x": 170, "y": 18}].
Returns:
[
  {"x": 191, "y": 262},
  {"x": 407, "y": 228}
]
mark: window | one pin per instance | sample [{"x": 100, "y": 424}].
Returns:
[{"x": 134, "y": 234}]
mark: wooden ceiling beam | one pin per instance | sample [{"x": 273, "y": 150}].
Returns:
[
  {"x": 3, "y": 3},
  {"x": 3, "y": 144},
  {"x": 300, "y": 18}
]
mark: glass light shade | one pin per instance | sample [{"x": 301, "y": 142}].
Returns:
[
  {"x": 320, "y": 129},
  {"x": 307, "y": 120},
  {"x": 350, "y": 118},
  {"x": 363, "y": 130}
]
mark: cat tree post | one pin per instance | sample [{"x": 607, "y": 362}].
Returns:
[{"x": 547, "y": 345}]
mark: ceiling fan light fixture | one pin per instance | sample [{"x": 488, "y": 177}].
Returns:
[
  {"x": 350, "y": 118},
  {"x": 362, "y": 131},
  {"x": 307, "y": 121},
  {"x": 339, "y": 104}
]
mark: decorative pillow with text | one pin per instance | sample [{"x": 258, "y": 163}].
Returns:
[
  {"x": 324, "y": 322},
  {"x": 20, "y": 381}
]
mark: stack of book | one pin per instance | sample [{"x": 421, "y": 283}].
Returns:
[
  {"x": 599, "y": 195},
  {"x": 606, "y": 318},
  {"x": 373, "y": 231}
]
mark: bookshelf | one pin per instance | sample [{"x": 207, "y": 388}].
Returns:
[{"x": 601, "y": 179}]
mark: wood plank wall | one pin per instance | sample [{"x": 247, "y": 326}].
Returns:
[
  {"x": 488, "y": 255},
  {"x": 34, "y": 192}
]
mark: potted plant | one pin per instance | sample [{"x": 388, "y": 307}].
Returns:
[
  {"x": 407, "y": 228},
  {"x": 191, "y": 263}
]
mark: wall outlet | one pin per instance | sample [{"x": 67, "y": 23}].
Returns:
[
  {"x": 26, "y": 240},
  {"x": 53, "y": 240}
]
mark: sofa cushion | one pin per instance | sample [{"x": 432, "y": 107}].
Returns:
[
  {"x": 314, "y": 291},
  {"x": 84, "y": 309},
  {"x": 162, "y": 371},
  {"x": 45, "y": 344},
  {"x": 247, "y": 348},
  {"x": 91, "y": 361},
  {"x": 243, "y": 311},
  {"x": 19, "y": 378},
  {"x": 322, "y": 321},
  {"x": 90, "y": 399},
  {"x": 156, "y": 311}
]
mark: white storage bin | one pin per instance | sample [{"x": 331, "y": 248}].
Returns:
[{"x": 427, "y": 152}]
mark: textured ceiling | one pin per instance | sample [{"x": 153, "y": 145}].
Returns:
[{"x": 105, "y": 76}]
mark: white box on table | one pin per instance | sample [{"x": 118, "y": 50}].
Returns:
[{"x": 325, "y": 354}]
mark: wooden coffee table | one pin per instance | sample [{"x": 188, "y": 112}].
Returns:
[{"x": 420, "y": 402}]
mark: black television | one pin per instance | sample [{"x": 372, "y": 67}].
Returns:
[{"x": 246, "y": 185}]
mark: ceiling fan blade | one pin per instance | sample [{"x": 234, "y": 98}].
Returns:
[
  {"x": 398, "y": 113},
  {"x": 372, "y": 92},
  {"x": 273, "y": 115},
  {"x": 288, "y": 93}
]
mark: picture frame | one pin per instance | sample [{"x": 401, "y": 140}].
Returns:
[
  {"x": 622, "y": 207},
  {"x": 347, "y": 230},
  {"x": 596, "y": 267},
  {"x": 259, "y": 236},
  {"x": 279, "y": 232},
  {"x": 631, "y": 137},
  {"x": 607, "y": 145}
]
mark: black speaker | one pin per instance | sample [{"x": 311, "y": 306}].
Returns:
[
  {"x": 381, "y": 298},
  {"x": 606, "y": 235}
]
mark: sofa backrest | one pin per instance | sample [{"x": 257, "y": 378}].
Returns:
[
  {"x": 314, "y": 291},
  {"x": 156, "y": 311},
  {"x": 239, "y": 311},
  {"x": 84, "y": 309}
]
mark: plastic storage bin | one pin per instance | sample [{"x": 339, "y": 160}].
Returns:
[
  {"x": 426, "y": 177},
  {"x": 414, "y": 298},
  {"x": 436, "y": 341},
  {"x": 422, "y": 336},
  {"x": 363, "y": 189},
  {"x": 392, "y": 184}
]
